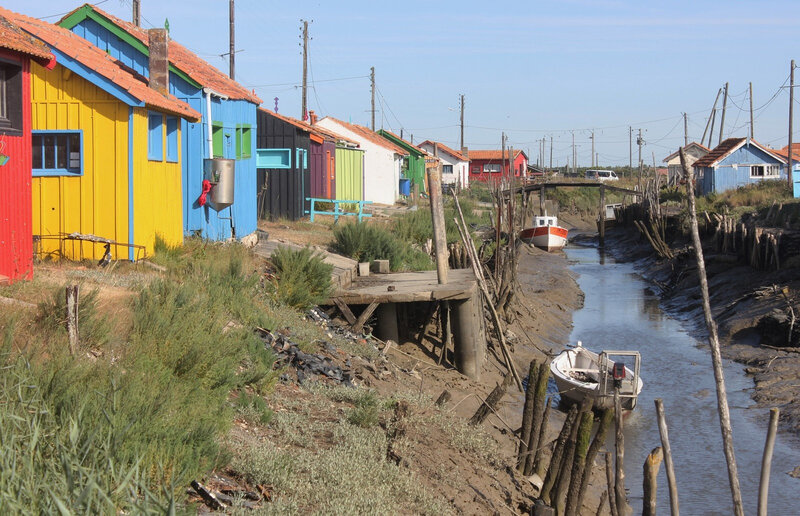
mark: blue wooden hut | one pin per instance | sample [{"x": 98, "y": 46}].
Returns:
[
  {"x": 737, "y": 162},
  {"x": 227, "y": 130}
]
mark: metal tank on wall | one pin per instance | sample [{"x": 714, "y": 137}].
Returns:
[{"x": 221, "y": 173}]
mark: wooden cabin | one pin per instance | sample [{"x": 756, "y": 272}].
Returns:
[
  {"x": 106, "y": 159},
  {"x": 227, "y": 130},
  {"x": 17, "y": 50},
  {"x": 738, "y": 162},
  {"x": 491, "y": 165}
]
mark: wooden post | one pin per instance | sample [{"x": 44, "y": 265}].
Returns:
[
  {"x": 469, "y": 348},
  {"x": 573, "y": 502},
  {"x": 387, "y": 322},
  {"x": 542, "y": 207},
  {"x": 603, "y": 498},
  {"x": 650, "y": 481},
  {"x": 602, "y": 226},
  {"x": 673, "y": 486},
  {"x": 540, "y": 397},
  {"x": 368, "y": 311},
  {"x": 612, "y": 500},
  {"x": 716, "y": 356},
  {"x": 565, "y": 471},
  {"x": 72, "y": 317},
  {"x": 558, "y": 452},
  {"x": 538, "y": 458},
  {"x": 619, "y": 465},
  {"x": 766, "y": 462},
  {"x": 494, "y": 397},
  {"x": 527, "y": 414},
  {"x": 437, "y": 216},
  {"x": 598, "y": 441}
]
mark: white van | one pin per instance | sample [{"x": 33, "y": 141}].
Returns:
[{"x": 602, "y": 175}]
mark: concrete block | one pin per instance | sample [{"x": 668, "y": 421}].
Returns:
[
  {"x": 380, "y": 266},
  {"x": 363, "y": 269}
]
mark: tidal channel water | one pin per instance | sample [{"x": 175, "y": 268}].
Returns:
[{"x": 621, "y": 312}]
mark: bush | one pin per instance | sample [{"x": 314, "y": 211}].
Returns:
[
  {"x": 304, "y": 279},
  {"x": 94, "y": 330}
]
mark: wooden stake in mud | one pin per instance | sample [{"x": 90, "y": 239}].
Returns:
[
  {"x": 602, "y": 226},
  {"x": 612, "y": 501},
  {"x": 766, "y": 462},
  {"x": 538, "y": 458},
  {"x": 579, "y": 463},
  {"x": 650, "y": 482},
  {"x": 673, "y": 486},
  {"x": 716, "y": 356},
  {"x": 437, "y": 216},
  {"x": 489, "y": 406},
  {"x": 558, "y": 452},
  {"x": 565, "y": 473},
  {"x": 619, "y": 465},
  {"x": 72, "y": 317},
  {"x": 598, "y": 441},
  {"x": 540, "y": 397},
  {"x": 527, "y": 414}
]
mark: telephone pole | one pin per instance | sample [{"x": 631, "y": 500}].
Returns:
[
  {"x": 630, "y": 149},
  {"x": 685, "y": 130},
  {"x": 724, "y": 106},
  {"x": 752, "y": 133},
  {"x": 462, "y": 122},
  {"x": 304, "y": 106},
  {"x": 791, "y": 117},
  {"x": 639, "y": 142},
  {"x": 232, "y": 49},
  {"x": 593, "y": 163},
  {"x": 137, "y": 13},
  {"x": 372, "y": 90},
  {"x": 711, "y": 117},
  {"x": 551, "y": 153},
  {"x": 574, "y": 168}
]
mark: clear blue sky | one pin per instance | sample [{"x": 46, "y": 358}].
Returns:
[{"x": 532, "y": 69}]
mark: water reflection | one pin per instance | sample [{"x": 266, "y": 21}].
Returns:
[{"x": 621, "y": 312}]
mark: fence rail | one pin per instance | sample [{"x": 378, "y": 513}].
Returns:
[{"x": 337, "y": 209}]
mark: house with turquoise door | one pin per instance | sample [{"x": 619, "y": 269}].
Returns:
[{"x": 227, "y": 129}]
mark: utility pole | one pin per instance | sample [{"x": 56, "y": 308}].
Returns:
[
  {"x": 232, "y": 49},
  {"x": 711, "y": 116},
  {"x": 574, "y": 168},
  {"x": 630, "y": 149},
  {"x": 372, "y": 90},
  {"x": 462, "y": 122},
  {"x": 502, "y": 153},
  {"x": 685, "y": 130},
  {"x": 551, "y": 153},
  {"x": 791, "y": 117},
  {"x": 304, "y": 107},
  {"x": 724, "y": 106},
  {"x": 593, "y": 163},
  {"x": 752, "y": 133},
  {"x": 137, "y": 13},
  {"x": 639, "y": 142}
]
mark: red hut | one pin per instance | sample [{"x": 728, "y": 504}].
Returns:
[
  {"x": 17, "y": 48},
  {"x": 492, "y": 165}
]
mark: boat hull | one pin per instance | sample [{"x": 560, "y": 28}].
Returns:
[
  {"x": 577, "y": 375},
  {"x": 549, "y": 238}
]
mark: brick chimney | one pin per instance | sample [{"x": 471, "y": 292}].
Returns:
[
  {"x": 159, "y": 61},
  {"x": 465, "y": 152},
  {"x": 312, "y": 117}
]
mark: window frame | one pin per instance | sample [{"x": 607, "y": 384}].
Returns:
[
  {"x": 11, "y": 94},
  {"x": 217, "y": 134},
  {"x": 492, "y": 168},
  {"x": 172, "y": 139},
  {"x": 155, "y": 136},
  {"x": 59, "y": 172},
  {"x": 445, "y": 171},
  {"x": 767, "y": 171}
]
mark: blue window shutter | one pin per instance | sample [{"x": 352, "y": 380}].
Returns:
[
  {"x": 172, "y": 139},
  {"x": 155, "y": 140}
]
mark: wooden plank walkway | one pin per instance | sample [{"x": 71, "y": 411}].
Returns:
[
  {"x": 407, "y": 287},
  {"x": 344, "y": 269}
]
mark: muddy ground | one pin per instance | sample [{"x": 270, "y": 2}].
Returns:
[{"x": 749, "y": 306}]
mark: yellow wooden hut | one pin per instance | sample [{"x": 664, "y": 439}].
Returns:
[{"x": 106, "y": 150}]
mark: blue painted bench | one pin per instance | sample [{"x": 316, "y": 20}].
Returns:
[{"x": 337, "y": 210}]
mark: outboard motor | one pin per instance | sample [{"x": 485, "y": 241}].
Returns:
[{"x": 618, "y": 373}]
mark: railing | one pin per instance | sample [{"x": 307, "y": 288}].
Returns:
[{"x": 337, "y": 210}]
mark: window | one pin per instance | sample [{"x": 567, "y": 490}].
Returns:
[
  {"x": 155, "y": 139},
  {"x": 492, "y": 168},
  {"x": 10, "y": 98},
  {"x": 217, "y": 139},
  {"x": 302, "y": 159},
  {"x": 273, "y": 158},
  {"x": 244, "y": 142},
  {"x": 763, "y": 171},
  {"x": 447, "y": 169},
  {"x": 476, "y": 170},
  {"x": 57, "y": 153},
  {"x": 172, "y": 139}
]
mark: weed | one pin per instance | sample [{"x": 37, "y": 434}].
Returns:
[
  {"x": 253, "y": 408},
  {"x": 304, "y": 279},
  {"x": 94, "y": 330}
]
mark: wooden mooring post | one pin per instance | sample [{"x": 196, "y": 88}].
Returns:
[
  {"x": 601, "y": 227},
  {"x": 650, "y": 481},
  {"x": 72, "y": 317},
  {"x": 766, "y": 462},
  {"x": 437, "y": 217},
  {"x": 672, "y": 483}
]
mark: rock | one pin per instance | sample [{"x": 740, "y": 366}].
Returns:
[{"x": 795, "y": 473}]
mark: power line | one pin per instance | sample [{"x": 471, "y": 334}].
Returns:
[
  {"x": 297, "y": 85},
  {"x": 62, "y": 14}
]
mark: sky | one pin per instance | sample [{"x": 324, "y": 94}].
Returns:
[{"x": 530, "y": 69}]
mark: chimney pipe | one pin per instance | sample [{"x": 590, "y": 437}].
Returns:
[
  {"x": 312, "y": 117},
  {"x": 159, "y": 61},
  {"x": 465, "y": 152}
]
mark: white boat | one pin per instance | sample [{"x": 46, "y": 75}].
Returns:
[
  {"x": 580, "y": 373},
  {"x": 545, "y": 234}
]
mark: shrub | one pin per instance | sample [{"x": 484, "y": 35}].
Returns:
[
  {"x": 366, "y": 242},
  {"x": 304, "y": 279},
  {"x": 94, "y": 329}
]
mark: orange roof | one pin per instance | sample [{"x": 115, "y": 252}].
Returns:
[
  {"x": 727, "y": 147},
  {"x": 491, "y": 154},
  {"x": 186, "y": 61},
  {"x": 101, "y": 63},
  {"x": 445, "y": 148},
  {"x": 308, "y": 127},
  {"x": 784, "y": 152},
  {"x": 371, "y": 136},
  {"x": 14, "y": 38}
]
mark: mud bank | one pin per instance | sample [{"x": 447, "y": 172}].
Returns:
[{"x": 750, "y": 308}]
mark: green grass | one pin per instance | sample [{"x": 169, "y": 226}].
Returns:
[{"x": 304, "y": 279}]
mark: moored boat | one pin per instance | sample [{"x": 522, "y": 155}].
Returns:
[
  {"x": 580, "y": 373},
  {"x": 545, "y": 234}
]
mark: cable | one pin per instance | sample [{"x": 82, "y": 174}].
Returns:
[{"x": 297, "y": 85}]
